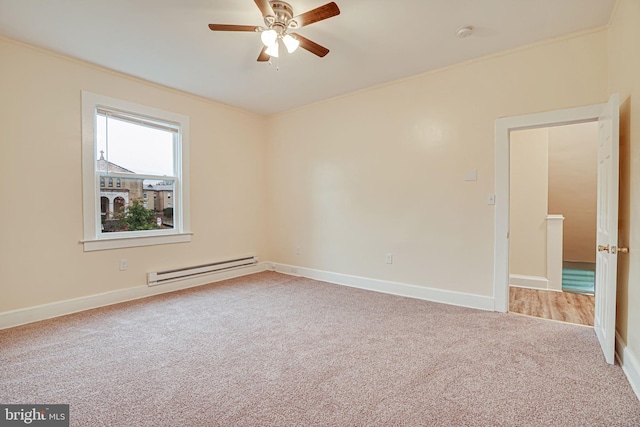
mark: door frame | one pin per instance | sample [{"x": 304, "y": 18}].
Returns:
[{"x": 503, "y": 127}]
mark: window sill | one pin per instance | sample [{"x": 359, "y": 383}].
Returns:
[{"x": 132, "y": 242}]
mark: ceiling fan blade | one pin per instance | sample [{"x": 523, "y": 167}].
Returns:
[
  {"x": 265, "y": 7},
  {"x": 312, "y": 47},
  {"x": 225, "y": 27},
  {"x": 318, "y": 14},
  {"x": 263, "y": 57}
]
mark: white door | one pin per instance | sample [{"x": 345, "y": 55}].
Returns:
[{"x": 607, "y": 240}]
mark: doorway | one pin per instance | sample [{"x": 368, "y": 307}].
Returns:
[
  {"x": 553, "y": 200},
  {"x": 607, "y": 116}
]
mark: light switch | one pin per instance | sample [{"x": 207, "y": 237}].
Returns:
[
  {"x": 491, "y": 199},
  {"x": 471, "y": 175}
]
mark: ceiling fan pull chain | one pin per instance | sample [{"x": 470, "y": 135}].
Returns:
[{"x": 277, "y": 64}]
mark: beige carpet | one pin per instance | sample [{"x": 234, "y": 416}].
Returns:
[{"x": 270, "y": 349}]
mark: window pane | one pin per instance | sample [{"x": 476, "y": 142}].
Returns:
[
  {"x": 133, "y": 148},
  {"x": 128, "y": 209}
]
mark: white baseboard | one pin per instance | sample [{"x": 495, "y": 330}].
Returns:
[
  {"x": 394, "y": 288},
  {"x": 531, "y": 282},
  {"x": 630, "y": 364},
  {"x": 33, "y": 314},
  {"x": 12, "y": 318}
]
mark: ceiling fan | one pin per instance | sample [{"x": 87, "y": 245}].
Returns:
[{"x": 279, "y": 20}]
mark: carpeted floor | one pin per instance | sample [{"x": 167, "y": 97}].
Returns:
[{"x": 276, "y": 350}]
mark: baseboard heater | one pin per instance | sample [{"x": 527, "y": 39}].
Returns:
[{"x": 160, "y": 277}]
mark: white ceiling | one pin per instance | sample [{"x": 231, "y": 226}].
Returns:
[{"x": 371, "y": 41}]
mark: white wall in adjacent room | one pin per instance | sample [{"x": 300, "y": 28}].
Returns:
[{"x": 528, "y": 196}]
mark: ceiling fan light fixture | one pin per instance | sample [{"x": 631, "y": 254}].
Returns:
[
  {"x": 272, "y": 50},
  {"x": 269, "y": 37},
  {"x": 291, "y": 43}
]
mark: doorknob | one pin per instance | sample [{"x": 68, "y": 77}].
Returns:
[
  {"x": 603, "y": 248},
  {"x": 623, "y": 250}
]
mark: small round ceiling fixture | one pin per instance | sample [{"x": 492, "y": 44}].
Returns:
[{"x": 464, "y": 32}]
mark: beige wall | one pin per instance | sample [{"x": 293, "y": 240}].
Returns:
[
  {"x": 382, "y": 170},
  {"x": 624, "y": 78},
  {"x": 528, "y": 169},
  {"x": 41, "y": 260},
  {"x": 573, "y": 179},
  {"x": 348, "y": 180}
]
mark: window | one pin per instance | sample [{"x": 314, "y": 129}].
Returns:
[{"x": 139, "y": 147}]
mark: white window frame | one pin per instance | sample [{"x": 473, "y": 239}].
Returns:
[{"x": 94, "y": 239}]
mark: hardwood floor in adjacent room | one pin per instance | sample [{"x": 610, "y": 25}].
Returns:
[{"x": 561, "y": 306}]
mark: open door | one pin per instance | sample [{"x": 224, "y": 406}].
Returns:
[{"x": 607, "y": 220}]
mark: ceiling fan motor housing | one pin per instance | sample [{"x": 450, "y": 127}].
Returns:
[{"x": 283, "y": 17}]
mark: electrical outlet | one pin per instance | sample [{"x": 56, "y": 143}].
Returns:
[
  {"x": 389, "y": 258},
  {"x": 298, "y": 250},
  {"x": 123, "y": 265}
]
